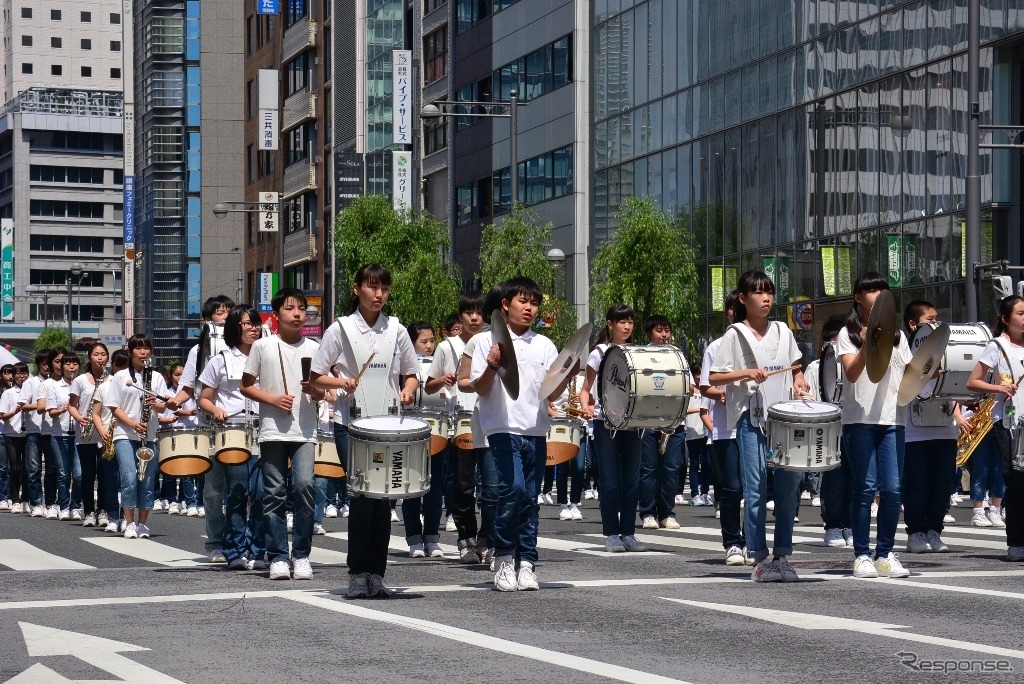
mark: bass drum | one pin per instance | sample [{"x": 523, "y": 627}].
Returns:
[
  {"x": 966, "y": 343},
  {"x": 831, "y": 376},
  {"x": 644, "y": 387}
]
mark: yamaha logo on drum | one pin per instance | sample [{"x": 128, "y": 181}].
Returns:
[
  {"x": 819, "y": 446},
  {"x": 397, "y": 464}
]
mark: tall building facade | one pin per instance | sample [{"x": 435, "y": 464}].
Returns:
[
  {"x": 481, "y": 52},
  {"x": 189, "y": 114},
  {"x": 813, "y": 140}
]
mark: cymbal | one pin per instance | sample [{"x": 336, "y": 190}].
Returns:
[
  {"x": 882, "y": 326},
  {"x": 562, "y": 366},
  {"x": 508, "y": 373},
  {"x": 921, "y": 367}
]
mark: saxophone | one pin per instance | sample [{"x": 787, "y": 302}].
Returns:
[
  {"x": 981, "y": 423},
  {"x": 108, "y": 444},
  {"x": 88, "y": 429},
  {"x": 144, "y": 453},
  {"x": 573, "y": 408}
]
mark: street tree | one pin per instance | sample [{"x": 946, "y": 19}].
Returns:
[
  {"x": 52, "y": 337},
  {"x": 518, "y": 245},
  {"x": 413, "y": 245},
  {"x": 649, "y": 265}
]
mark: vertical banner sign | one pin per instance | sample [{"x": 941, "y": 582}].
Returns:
[
  {"x": 268, "y": 286},
  {"x": 911, "y": 259},
  {"x": 894, "y": 259},
  {"x": 7, "y": 269},
  {"x": 835, "y": 270},
  {"x": 828, "y": 270},
  {"x": 844, "y": 270},
  {"x": 777, "y": 268},
  {"x": 401, "y": 90},
  {"x": 268, "y": 7},
  {"x": 401, "y": 180},
  {"x": 268, "y": 106},
  {"x": 128, "y": 189},
  {"x": 270, "y": 211},
  {"x": 348, "y": 178},
  {"x": 723, "y": 279}
]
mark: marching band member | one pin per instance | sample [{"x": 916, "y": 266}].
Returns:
[
  {"x": 6, "y": 382},
  {"x": 835, "y": 484},
  {"x": 752, "y": 348},
  {"x": 221, "y": 397},
  {"x": 136, "y": 428},
  {"x": 109, "y": 517},
  {"x": 11, "y": 421},
  {"x": 80, "y": 406},
  {"x": 618, "y": 456},
  {"x": 35, "y": 443},
  {"x": 51, "y": 463},
  {"x": 929, "y": 460},
  {"x": 873, "y": 435},
  {"x": 364, "y": 331},
  {"x": 516, "y": 431},
  {"x": 180, "y": 494},
  {"x": 288, "y": 426},
  {"x": 1004, "y": 355},
  {"x": 442, "y": 376},
  {"x": 62, "y": 436}
]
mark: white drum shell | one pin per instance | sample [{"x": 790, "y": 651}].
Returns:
[
  {"x": 233, "y": 437},
  {"x": 437, "y": 401},
  {"x": 804, "y": 436},
  {"x": 439, "y": 428},
  {"x": 389, "y": 457},
  {"x": 644, "y": 387},
  {"x": 326, "y": 462},
  {"x": 183, "y": 451},
  {"x": 966, "y": 343}
]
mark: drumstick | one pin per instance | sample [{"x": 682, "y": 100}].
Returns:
[
  {"x": 365, "y": 366},
  {"x": 794, "y": 367}
]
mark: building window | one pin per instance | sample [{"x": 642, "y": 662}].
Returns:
[
  {"x": 250, "y": 158},
  {"x": 56, "y": 70},
  {"x": 86, "y": 17},
  {"x": 54, "y": 15},
  {"x": 26, "y": 41},
  {"x": 87, "y": 72},
  {"x": 435, "y": 135},
  {"x": 56, "y": 42},
  {"x": 249, "y": 38},
  {"x": 87, "y": 44},
  {"x": 537, "y": 73},
  {"x": 115, "y": 17},
  {"x": 297, "y": 74},
  {"x": 435, "y": 49},
  {"x": 115, "y": 46},
  {"x": 544, "y": 177},
  {"x": 115, "y": 73},
  {"x": 26, "y": 67},
  {"x": 296, "y": 11},
  {"x": 250, "y": 99},
  {"x": 431, "y": 5},
  {"x": 26, "y": 12}
]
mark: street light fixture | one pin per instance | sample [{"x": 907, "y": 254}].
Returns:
[
  {"x": 222, "y": 209},
  {"x": 76, "y": 272},
  {"x": 486, "y": 110}
]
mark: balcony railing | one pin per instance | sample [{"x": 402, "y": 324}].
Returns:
[
  {"x": 298, "y": 178},
  {"x": 299, "y": 107},
  {"x": 297, "y": 38}
]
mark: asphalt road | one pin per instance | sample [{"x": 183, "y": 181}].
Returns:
[{"x": 157, "y": 612}]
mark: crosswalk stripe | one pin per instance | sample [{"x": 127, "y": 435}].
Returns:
[
  {"x": 151, "y": 551},
  {"x": 546, "y": 543},
  {"x": 18, "y": 554},
  {"x": 680, "y": 542}
]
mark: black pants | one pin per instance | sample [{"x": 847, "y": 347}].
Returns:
[
  {"x": 88, "y": 456},
  {"x": 369, "y": 532},
  {"x": 836, "y": 497},
  {"x": 17, "y": 474},
  {"x": 462, "y": 504}
]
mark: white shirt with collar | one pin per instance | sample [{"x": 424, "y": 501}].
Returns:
[
  {"x": 30, "y": 395},
  {"x": 224, "y": 375},
  {"x": 58, "y": 395}
]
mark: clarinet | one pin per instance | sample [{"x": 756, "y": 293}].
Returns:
[
  {"x": 144, "y": 454},
  {"x": 88, "y": 429}
]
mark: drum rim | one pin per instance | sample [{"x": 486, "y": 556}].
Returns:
[
  {"x": 184, "y": 428},
  {"x": 833, "y": 414},
  {"x": 392, "y": 436}
]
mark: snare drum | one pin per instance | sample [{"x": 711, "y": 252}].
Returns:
[
  {"x": 326, "y": 462},
  {"x": 644, "y": 387},
  {"x": 463, "y": 427},
  {"x": 389, "y": 457},
  {"x": 232, "y": 443},
  {"x": 438, "y": 422},
  {"x": 966, "y": 343},
  {"x": 831, "y": 376},
  {"x": 183, "y": 451},
  {"x": 564, "y": 439},
  {"x": 438, "y": 401},
  {"x": 804, "y": 435}
]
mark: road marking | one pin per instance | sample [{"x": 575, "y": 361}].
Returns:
[
  {"x": 104, "y": 654},
  {"x": 18, "y": 554},
  {"x": 809, "y": 621},
  {"x": 682, "y": 542},
  {"x": 149, "y": 550},
  {"x": 488, "y": 586},
  {"x": 477, "y": 640}
]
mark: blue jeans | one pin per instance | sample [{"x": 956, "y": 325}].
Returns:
[
  {"x": 928, "y": 468},
  {"x": 34, "y": 467},
  {"x": 274, "y": 462},
  {"x": 135, "y": 494},
  {"x": 326, "y": 493},
  {"x": 430, "y": 504},
  {"x": 488, "y": 499},
  {"x": 699, "y": 456},
  {"x": 875, "y": 453},
  {"x": 213, "y": 500},
  {"x": 659, "y": 473},
  {"x": 618, "y": 459},
  {"x": 69, "y": 472},
  {"x": 5, "y": 470},
  {"x": 753, "y": 473},
  {"x": 520, "y": 462},
  {"x": 987, "y": 469},
  {"x": 572, "y": 493},
  {"x": 836, "y": 495},
  {"x": 243, "y": 531},
  {"x": 728, "y": 491}
]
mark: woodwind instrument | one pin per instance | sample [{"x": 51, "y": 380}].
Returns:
[
  {"x": 144, "y": 453},
  {"x": 108, "y": 445},
  {"x": 88, "y": 429},
  {"x": 573, "y": 408},
  {"x": 981, "y": 423}
]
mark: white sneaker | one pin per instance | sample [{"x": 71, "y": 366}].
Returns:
[
  {"x": 131, "y": 531},
  {"x": 64, "y": 514},
  {"x": 650, "y": 522},
  {"x": 486, "y": 555},
  {"x": 527, "y": 578},
  {"x": 173, "y": 508},
  {"x": 874, "y": 510},
  {"x": 680, "y": 500},
  {"x": 786, "y": 570},
  {"x": 805, "y": 496},
  {"x": 394, "y": 515},
  {"x": 1015, "y": 553},
  {"x": 158, "y": 505},
  {"x": 588, "y": 494},
  {"x": 217, "y": 556},
  {"x": 816, "y": 502},
  {"x": 864, "y": 568},
  {"x": 279, "y": 570},
  {"x": 111, "y": 527},
  {"x": 289, "y": 520},
  {"x": 331, "y": 511},
  {"x": 565, "y": 514},
  {"x": 613, "y": 543},
  {"x": 718, "y": 514},
  {"x": 5, "y": 505},
  {"x": 15, "y": 508},
  {"x": 995, "y": 518},
  {"x": 102, "y": 519},
  {"x": 344, "y": 511},
  {"x": 76, "y": 514},
  {"x": 38, "y": 512},
  {"x": 449, "y": 525},
  {"x": 766, "y": 571},
  {"x": 834, "y": 538},
  {"x": 201, "y": 511},
  {"x": 979, "y": 519},
  {"x": 52, "y": 513},
  {"x": 358, "y": 586},
  {"x": 771, "y": 507},
  {"x": 935, "y": 541},
  {"x": 735, "y": 556},
  {"x": 505, "y": 576},
  {"x": 574, "y": 510},
  {"x": 549, "y": 500},
  {"x": 954, "y": 499},
  {"x": 433, "y": 550},
  {"x": 417, "y": 551},
  {"x": 89, "y": 521},
  {"x": 890, "y": 566},
  {"x": 669, "y": 523},
  {"x": 918, "y": 543},
  {"x": 143, "y": 531},
  {"x": 122, "y": 525},
  {"x": 540, "y": 499},
  {"x": 948, "y": 519},
  {"x": 192, "y": 512},
  {"x": 301, "y": 569},
  {"x": 318, "y": 529}
]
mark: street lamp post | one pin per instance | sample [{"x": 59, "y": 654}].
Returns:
[
  {"x": 32, "y": 290},
  {"x": 491, "y": 110},
  {"x": 222, "y": 209},
  {"x": 77, "y": 273}
]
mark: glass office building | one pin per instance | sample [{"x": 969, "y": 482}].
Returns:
[{"x": 813, "y": 139}]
